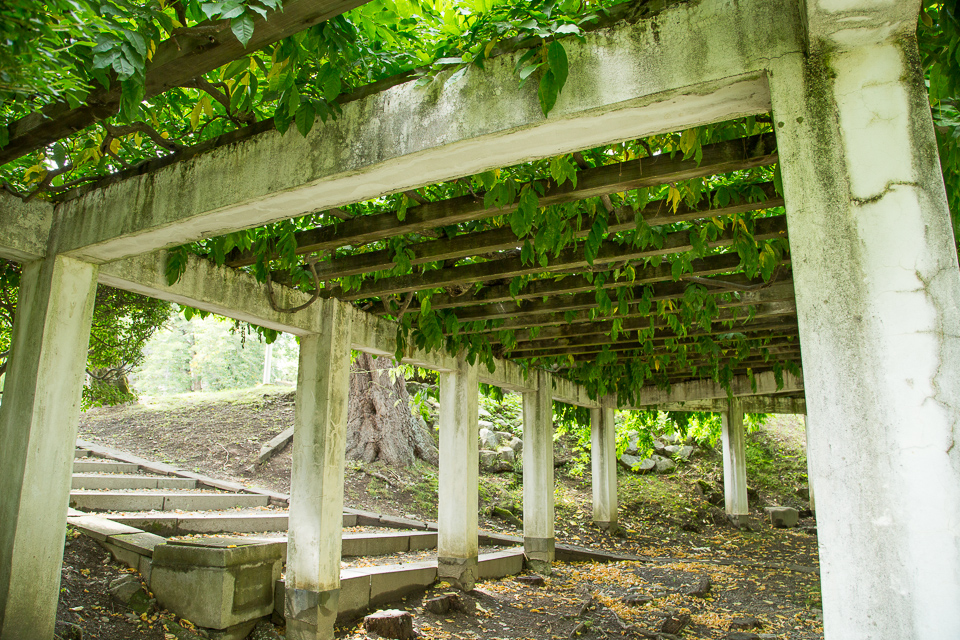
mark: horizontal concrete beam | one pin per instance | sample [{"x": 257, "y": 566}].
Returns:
[
  {"x": 572, "y": 393},
  {"x": 755, "y": 404},
  {"x": 24, "y": 228},
  {"x": 693, "y": 64},
  {"x": 695, "y": 390}
]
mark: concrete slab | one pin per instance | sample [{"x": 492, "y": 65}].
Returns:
[
  {"x": 161, "y": 501},
  {"x": 141, "y": 543},
  {"x": 180, "y": 524},
  {"x": 500, "y": 564},
  {"x": 97, "y": 466},
  {"x": 391, "y": 582},
  {"x": 81, "y": 453},
  {"x": 96, "y": 481},
  {"x": 99, "y": 528}
]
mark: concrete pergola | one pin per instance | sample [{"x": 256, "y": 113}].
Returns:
[{"x": 874, "y": 269}]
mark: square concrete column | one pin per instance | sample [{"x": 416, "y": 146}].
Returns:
[
  {"x": 734, "y": 462},
  {"x": 38, "y": 433},
  {"x": 603, "y": 464},
  {"x": 457, "y": 545},
  {"x": 316, "y": 479},
  {"x": 806, "y": 428},
  {"x": 878, "y": 304},
  {"x": 538, "y": 486}
]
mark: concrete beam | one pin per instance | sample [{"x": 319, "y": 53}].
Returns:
[
  {"x": 38, "y": 430},
  {"x": 763, "y": 384},
  {"x": 572, "y": 393},
  {"x": 750, "y": 404},
  {"x": 316, "y": 482},
  {"x": 26, "y": 227},
  {"x": 845, "y": 24},
  {"x": 693, "y": 64}
]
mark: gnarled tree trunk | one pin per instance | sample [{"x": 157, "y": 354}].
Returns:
[{"x": 380, "y": 423}]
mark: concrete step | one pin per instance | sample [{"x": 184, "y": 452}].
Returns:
[
  {"x": 103, "y": 466},
  {"x": 359, "y": 545},
  {"x": 96, "y": 481},
  {"x": 178, "y": 524},
  {"x": 81, "y": 453},
  {"x": 162, "y": 501}
]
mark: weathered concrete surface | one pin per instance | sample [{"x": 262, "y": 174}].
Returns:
[
  {"x": 750, "y": 404},
  {"x": 692, "y": 64},
  {"x": 316, "y": 484},
  {"x": 24, "y": 228},
  {"x": 850, "y": 23},
  {"x": 94, "y": 481},
  {"x": 457, "y": 545},
  {"x": 215, "y": 586},
  {"x": 878, "y": 300},
  {"x": 110, "y": 500},
  {"x": 38, "y": 428},
  {"x": 734, "y": 461},
  {"x": 103, "y": 466},
  {"x": 603, "y": 464},
  {"x": 538, "y": 482}
]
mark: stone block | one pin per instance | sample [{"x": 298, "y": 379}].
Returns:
[
  {"x": 500, "y": 564},
  {"x": 99, "y": 528},
  {"x": 783, "y": 517},
  {"x": 216, "y": 583},
  {"x": 629, "y": 461},
  {"x": 379, "y": 544},
  {"x": 354, "y": 593},
  {"x": 120, "y": 554},
  {"x": 141, "y": 542},
  {"x": 387, "y": 583},
  {"x": 115, "y": 501},
  {"x": 423, "y": 540}
]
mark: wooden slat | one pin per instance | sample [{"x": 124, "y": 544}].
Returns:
[
  {"x": 503, "y": 239},
  {"x": 722, "y": 157},
  {"x": 784, "y": 346},
  {"x": 178, "y": 60},
  {"x": 570, "y": 258}
]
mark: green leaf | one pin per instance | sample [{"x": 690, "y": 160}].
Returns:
[
  {"x": 557, "y": 59},
  {"x": 242, "y": 27},
  {"x": 236, "y": 67},
  {"x": 548, "y": 92},
  {"x": 305, "y": 117}
]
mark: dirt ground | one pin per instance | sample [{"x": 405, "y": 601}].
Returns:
[{"x": 762, "y": 581}]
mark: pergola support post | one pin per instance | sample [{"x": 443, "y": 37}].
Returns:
[
  {"x": 734, "y": 463},
  {"x": 878, "y": 305},
  {"x": 38, "y": 432},
  {"x": 538, "y": 483},
  {"x": 457, "y": 544},
  {"x": 316, "y": 483},
  {"x": 603, "y": 461},
  {"x": 810, "y": 482}
]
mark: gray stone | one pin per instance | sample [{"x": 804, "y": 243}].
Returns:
[
  {"x": 647, "y": 465},
  {"x": 489, "y": 439},
  {"x": 658, "y": 445},
  {"x": 670, "y": 438},
  {"x": 629, "y": 461},
  {"x": 701, "y": 589},
  {"x": 483, "y": 413},
  {"x": 442, "y": 605},
  {"x": 486, "y": 424},
  {"x": 739, "y": 624},
  {"x": 516, "y": 444},
  {"x": 672, "y": 449},
  {"x": 488, "y": 459},
  {"x": 783, "y": 517},
  {"x": 507, "y": 454},
  {"x": 685, "y": 452},
  {"x": 637, "y": 599},
  {"x": 674, "y": 624},
  {"x": 633, "y": 446},
  {"x": 742, "y": 635},
  {"x": 265, "y": 630},
  {"x": 123, "y": 588},
  {"x": 664, "y": 465},
  {"x": 391, "y": 623}
]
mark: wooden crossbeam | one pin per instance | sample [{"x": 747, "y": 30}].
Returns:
[
  {"x": 778, "y": 327},
  {"x": 767, "y": 311},
  {"x": 570, "y": 258},
  {"x": 503, "y": 239},
  {"x": 177, "y": 60},
  {"x": 721, "y": 157},
  {"x": 783, "y": 343}
]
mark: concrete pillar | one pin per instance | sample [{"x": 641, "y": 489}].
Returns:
[
  {"x": 316, "y": 479},
  {"x": 811, "y": 500},
  {"x": 878, "y": 303},
  {"x": 457, "y": 545},
  {"x": 734, "y": 462},
  {"x": 538, "y": 486},
  {"x": 603, "y": 464},
  {"x": 38, "y": 432}
]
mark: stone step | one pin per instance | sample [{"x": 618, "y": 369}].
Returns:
[
  {"x": 102, "y": 466},
  {"x": 96, "y": 481},
  {"x": 162, "y": 501},
  {"x": 359, "y": 545},
  {"x": 178, "y": 524},
  {"x": 81, "y": 453}
]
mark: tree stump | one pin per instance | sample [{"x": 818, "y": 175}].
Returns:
[{"x": 391, "y": 623}]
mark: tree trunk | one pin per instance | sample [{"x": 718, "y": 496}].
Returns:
[{"x": 380, "y": 423}]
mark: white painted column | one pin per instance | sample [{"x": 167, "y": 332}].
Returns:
[
  {"x": 734, "y": 462},
  {"x": 806, "y": 429},
  {"x": 878, "y": 302},
  {"x": 603, "y": 464},
  {"x": 538, "y": 486},
  {"x": 316, "y": 479},
  {"x": 457, "y": 545},
  {"x": 38, "y": 433},
  {"x": 267, "y": 363}
]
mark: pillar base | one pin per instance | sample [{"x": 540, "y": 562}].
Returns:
[
  {"x": 611, "y": 527},
  {"x": 539, "y": 554},
  {"x": 310, "y": 614},
  {"x": 462, "y": 573},
  {"x": 742, "y": 521}
]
